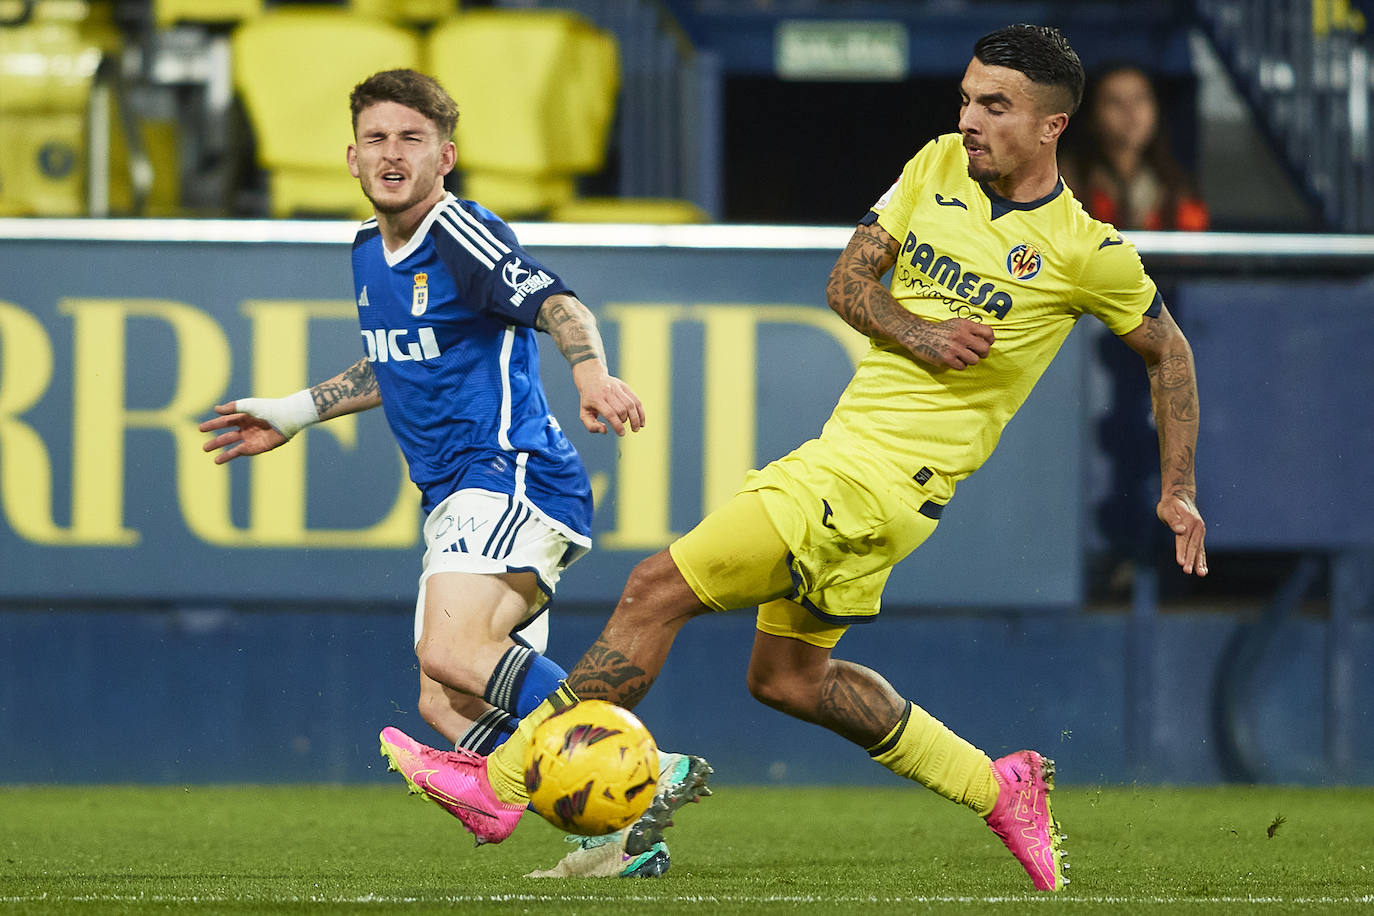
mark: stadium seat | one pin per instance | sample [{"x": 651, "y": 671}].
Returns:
[
  {"x": 167, "y": 13},
  {"x": 407, "y": 12},
  {"x": 47, "y": 69},
  {"x": 536, "y": 90},
  {"x": 301, "y": 125}
]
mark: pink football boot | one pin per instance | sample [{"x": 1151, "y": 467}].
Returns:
[
  {"x": 1022, "y": 818},
  {"x": 455, "y": 781}
]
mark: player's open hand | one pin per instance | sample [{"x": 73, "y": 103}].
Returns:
[
  {"x": 606, "y": 400},
  {"x": 244, "y": 434},
  {"x": 955, "y": 343},
  {"x": 1179, "y": 512}
]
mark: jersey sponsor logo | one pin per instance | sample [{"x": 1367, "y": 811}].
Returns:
[
  {"x": 944, "y": 271},
  {"x": 887, "y": 195},
  {"x": 522, "y": 280},
  {"x": 362, "y": 299},
  {"x": 944, "y": 201},
  {"x": 1024, "y": 262},
  {"x": 514, "y": 273},
  {"x": 395, "y": 345},
  {"x": 419, "y": 295}
]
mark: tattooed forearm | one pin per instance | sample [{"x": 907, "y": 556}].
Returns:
[
  {"x": 856, "y": 293},
  {"x": 573, "y": 328},
  {"x": 606, "y": 674},
  {"x": 356, "y": 386},
  {"x": 1173, "y": 391},
  {"x": 1175, "y": 371},
  {"x": 855, "y": 290},
  {"x": 1184, "y": 407},
  {"x": 858, "y": 704}
]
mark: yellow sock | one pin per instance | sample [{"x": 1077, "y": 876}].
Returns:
[
  {"x": 506, "y": 764},
  {"x": 923, "y": 749}
]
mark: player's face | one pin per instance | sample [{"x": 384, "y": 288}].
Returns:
[
  {"x": 1002, "y": 120},
  {"x": 399, "y": 158}
]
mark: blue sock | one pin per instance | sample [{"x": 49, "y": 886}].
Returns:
[{"x": 521, "y": 681}]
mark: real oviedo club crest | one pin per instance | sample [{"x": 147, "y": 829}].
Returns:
[
  {"x": 1024, "y": 262},
  {"x": 419, "y": 295}
]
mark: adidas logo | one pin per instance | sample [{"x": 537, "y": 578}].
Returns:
[{"x": 362, "y": 300}]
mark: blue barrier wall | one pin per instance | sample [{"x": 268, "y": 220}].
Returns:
[{"x": 293, "y": 694}]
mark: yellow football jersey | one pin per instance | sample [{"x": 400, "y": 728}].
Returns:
[{"x": 1030, "y": 270}]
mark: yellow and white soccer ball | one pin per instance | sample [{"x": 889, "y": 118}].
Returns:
[{"x": 591, "y": 769}]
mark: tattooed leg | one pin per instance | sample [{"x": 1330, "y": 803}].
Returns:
[
  {"x": 626, "y": 658},
  {"x": 803, "y": 681}
]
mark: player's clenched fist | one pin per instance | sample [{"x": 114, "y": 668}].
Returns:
[{"x": 955, "y": 343}]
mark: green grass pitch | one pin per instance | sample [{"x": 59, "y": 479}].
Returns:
[{"x": 373, "y": 849}]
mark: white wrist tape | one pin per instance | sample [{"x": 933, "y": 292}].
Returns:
[{"x": 289, "y": 415}]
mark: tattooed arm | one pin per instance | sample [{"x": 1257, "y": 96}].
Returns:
[
  {"x": 351, "y": 391},
  {"x": 605, "y": 399},
  {"x": 857, "y": 294},
  {"x": 256, "y": 425},
  {"x": 1173, "y": 392}
]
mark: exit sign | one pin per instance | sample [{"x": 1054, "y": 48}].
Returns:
[{"x": 831, "y": 49}]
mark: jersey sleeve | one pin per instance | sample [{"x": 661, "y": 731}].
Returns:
[
  {"x": 893, "y": 210},
  {"x": 1114, "y": 286},
  {"x": 490, "y": 269}
]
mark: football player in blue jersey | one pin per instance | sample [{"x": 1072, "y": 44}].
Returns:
[{"x": 448, "y": 304}]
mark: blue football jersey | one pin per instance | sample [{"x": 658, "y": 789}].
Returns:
[{"x": 447, "y": 324}]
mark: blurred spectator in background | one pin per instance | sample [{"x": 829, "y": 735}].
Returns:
[{"x": 1123, "y": 171}]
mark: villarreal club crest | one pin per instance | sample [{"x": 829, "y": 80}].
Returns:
[{"x": 1024, "y": 261}]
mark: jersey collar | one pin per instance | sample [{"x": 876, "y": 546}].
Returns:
[
  {"x": 1001, "y": 206},
  {"x": 400, "y": 254}
]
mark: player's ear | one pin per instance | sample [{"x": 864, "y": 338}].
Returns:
[
  {"x": 1053, "y": 126},
  {"x": 448, "y": 157}
]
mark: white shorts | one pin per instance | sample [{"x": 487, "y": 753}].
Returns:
[{"x": 478, "y": 531}]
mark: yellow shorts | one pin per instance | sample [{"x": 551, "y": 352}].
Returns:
[
  {"x": 735, "y": 558},
  {"x": 816, "y": 527}
]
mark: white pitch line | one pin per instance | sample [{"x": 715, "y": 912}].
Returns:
[{"x": 919, "y": 899}]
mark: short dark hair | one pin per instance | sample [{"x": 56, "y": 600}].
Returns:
[
  {"x": 411, "y": 89},
  {"x": 1041, "y": 53}
]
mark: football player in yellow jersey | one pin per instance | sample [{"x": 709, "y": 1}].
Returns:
[{"x": 992, "y": 262}]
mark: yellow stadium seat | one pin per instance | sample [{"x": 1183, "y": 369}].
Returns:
[
  {"x": 536, "y": 90},
  {"x": 167, "y": 13},
  {"x": 294, "y": 68},
  {"x": 407, "y": 12},
  {"x": 46, "y": 72}
]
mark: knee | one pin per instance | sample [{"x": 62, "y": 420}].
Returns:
[
  {"x": 780, "y": 690},
  {"x": 451, "y": 669},
  {"x": 655, "y": 588}
]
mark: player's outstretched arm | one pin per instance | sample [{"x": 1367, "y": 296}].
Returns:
[
  {"x": 252, "y": 426},
  {"x": 857, "y": 294},
  {"x": 1173, "y": 391},
  {"x": 605, "y": 399}
]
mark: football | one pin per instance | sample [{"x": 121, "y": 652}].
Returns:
[{"x": 591, "y": 769}]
